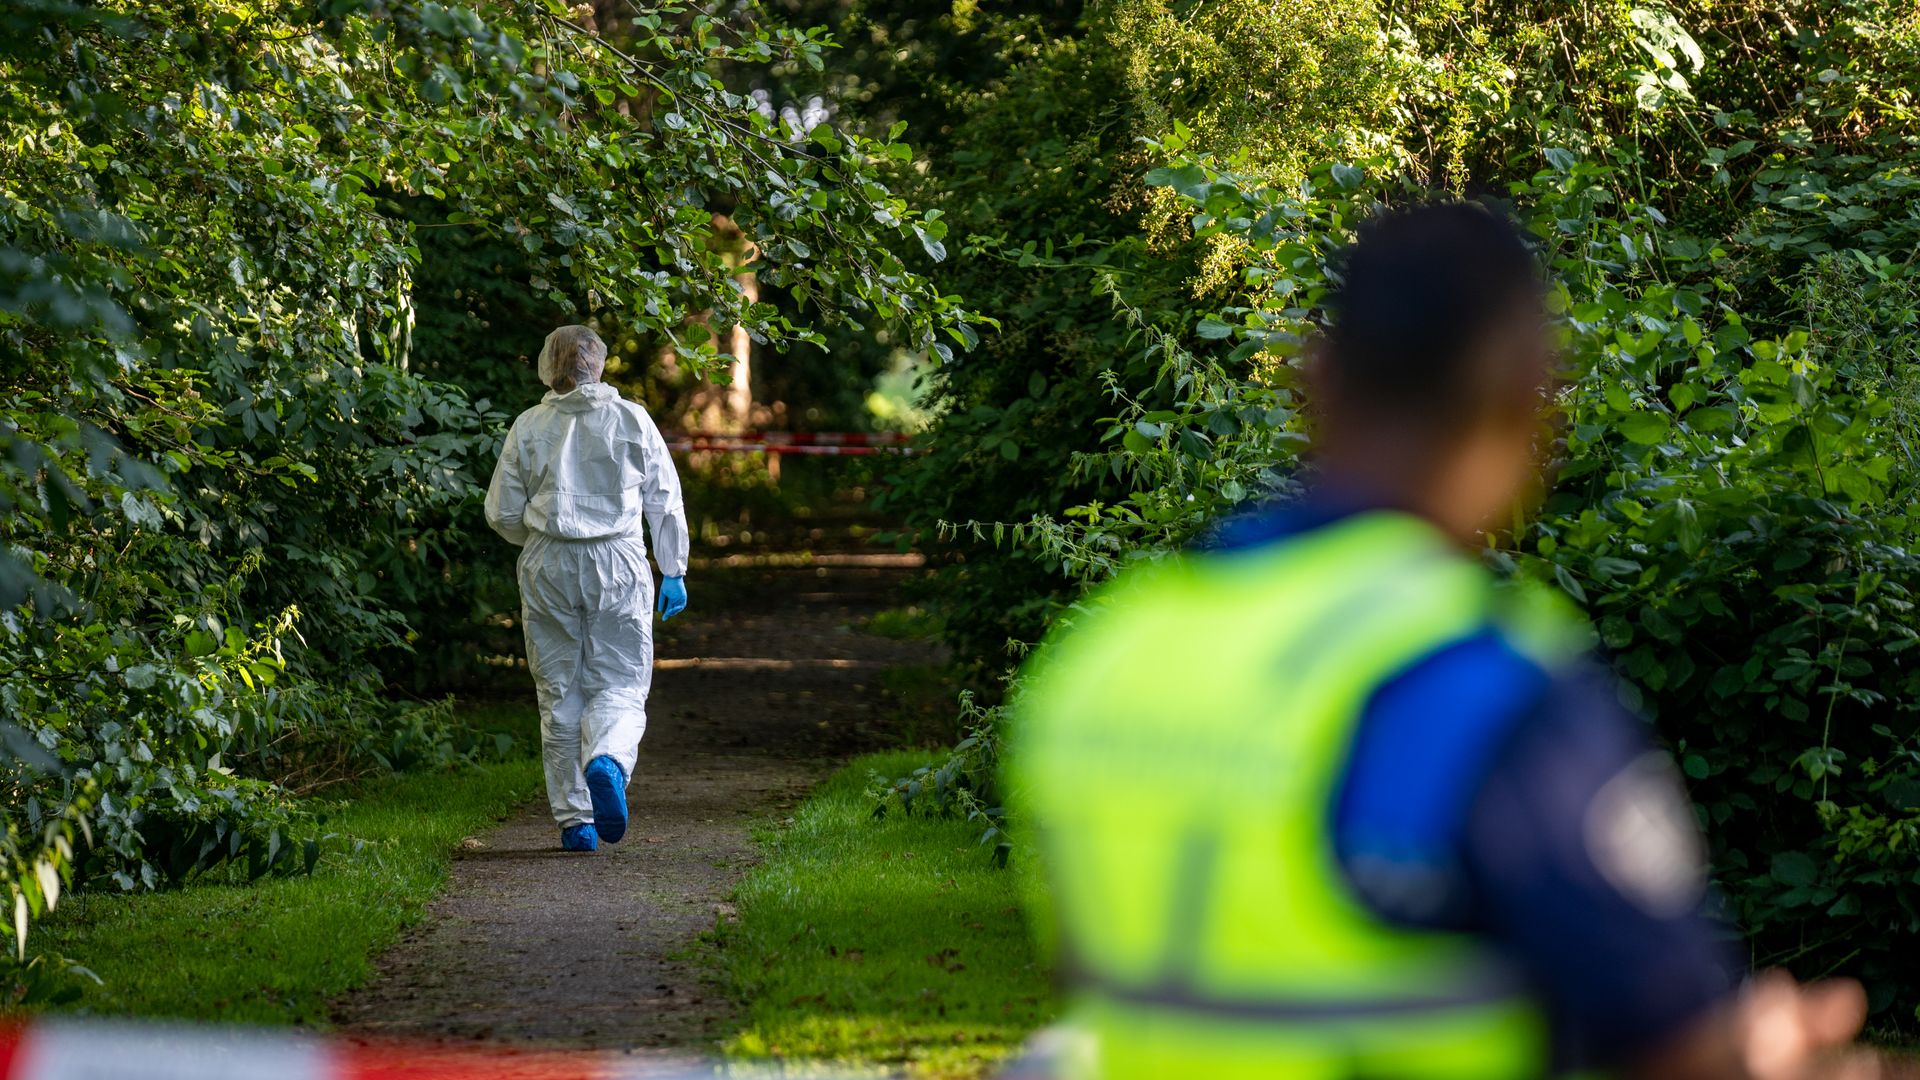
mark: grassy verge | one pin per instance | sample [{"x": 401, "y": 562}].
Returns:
[
  {"x": 276, "y": 950},
  {"x": 890, "y": 942}
]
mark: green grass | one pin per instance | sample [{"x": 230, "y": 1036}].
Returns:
[
  {"x": 276, "y": 950},
  {"x": 892, "y": 941}
]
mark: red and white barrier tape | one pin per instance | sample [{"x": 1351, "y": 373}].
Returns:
[
  {"x": 93, "y": 1050},
  {"x": 781, "y": 448},
  {"x": 796, "y": 438},
  {"x": 833, "y": 443}
]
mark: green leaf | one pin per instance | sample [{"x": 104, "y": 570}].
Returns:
[
  {"x": 1794, "y": 868},
  {"x": 1712, "y": 418},
  {"x": 935, "y": 250},
  {"x": 1610, "y": 567},
  {"x": 1660, "y": 625},
  {"x": 1189, "y": 181},
  {"x": 1568, "y": 584},
  {"x": 1644, "y": 428},
  {"x": 1687, "y": 528}
]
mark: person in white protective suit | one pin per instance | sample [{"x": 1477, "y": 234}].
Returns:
[{"x": 578, "y": 474}]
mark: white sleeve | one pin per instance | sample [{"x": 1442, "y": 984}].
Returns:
[
  {"x": 507, "y": 495},
  {"x": 660, "y": 496}
]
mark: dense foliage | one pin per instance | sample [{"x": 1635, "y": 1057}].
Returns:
[
  {"x": 228, "y": 495},
  {"x": 1723, "y": 193}
]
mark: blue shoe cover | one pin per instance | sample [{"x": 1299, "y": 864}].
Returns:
[
  {"x": 579, "y": 838},
  {"x": 607, "y": 785}
]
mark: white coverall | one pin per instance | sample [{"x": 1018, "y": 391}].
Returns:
[{"x": 578, "y": 473}]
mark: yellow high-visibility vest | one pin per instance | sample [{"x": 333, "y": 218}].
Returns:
[{"x": 1178, "y": 750}]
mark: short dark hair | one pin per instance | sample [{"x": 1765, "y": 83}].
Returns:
[{"x": 1414, "y": 294}]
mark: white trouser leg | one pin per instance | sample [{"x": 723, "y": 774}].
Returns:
[
  {"x": 617, "y": 671},
  {"x": 553, "y": 656},
  {"x": 588, "y": 611}
]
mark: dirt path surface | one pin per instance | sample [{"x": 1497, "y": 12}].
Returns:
[{"x": 758, "y": 693}]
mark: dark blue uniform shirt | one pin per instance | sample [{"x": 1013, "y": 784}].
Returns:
[{"x": 1485, "y": 794}]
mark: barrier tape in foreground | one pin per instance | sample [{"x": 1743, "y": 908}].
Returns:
[{"x": 93, "y": 1050}]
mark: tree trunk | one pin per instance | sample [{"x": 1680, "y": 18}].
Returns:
[
  {"x": 740, "y": 392},
  {"x": 729, "y": 407}
]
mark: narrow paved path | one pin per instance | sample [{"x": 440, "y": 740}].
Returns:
[{"x": 758, "y": 692}]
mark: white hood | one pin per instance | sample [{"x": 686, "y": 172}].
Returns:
[{"x": 584, "y": 398}]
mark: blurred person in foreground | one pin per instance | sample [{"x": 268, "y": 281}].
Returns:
[{"x": 1324, "y": 800}]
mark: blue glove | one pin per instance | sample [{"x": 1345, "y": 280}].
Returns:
[{"x": 673, "y": 597}]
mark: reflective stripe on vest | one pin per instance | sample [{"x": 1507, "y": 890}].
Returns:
[
  {"x": 1494, "y": 986},
  {"x": 1179, "y": 749}
]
